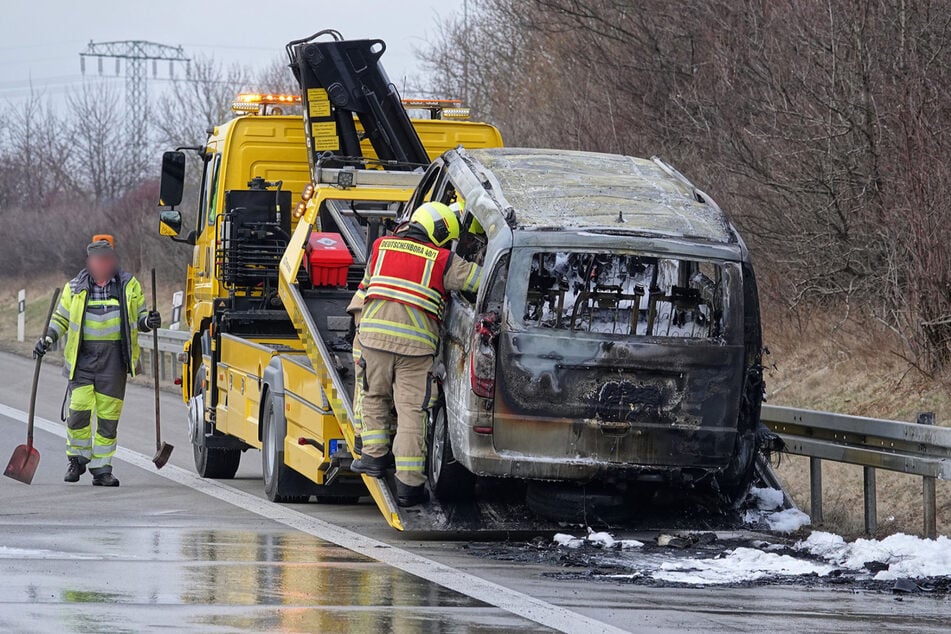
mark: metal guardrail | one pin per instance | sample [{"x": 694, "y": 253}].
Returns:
[
  {"x": 918, "y": 448},
  {"x": 170, "y": 343}
]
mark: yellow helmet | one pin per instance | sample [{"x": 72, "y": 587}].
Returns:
[{"x": 440, "y": 224}]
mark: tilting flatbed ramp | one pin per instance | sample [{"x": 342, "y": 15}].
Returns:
[{"x": 489, "y": 512}]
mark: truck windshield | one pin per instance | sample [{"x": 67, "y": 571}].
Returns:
[{"x": 632, "y": 295}]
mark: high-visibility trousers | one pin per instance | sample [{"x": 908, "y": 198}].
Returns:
[
  {"x": 97, "y": 387},
  {"x": 393, "y": 379},
  {"x": 359, "y": 369}
]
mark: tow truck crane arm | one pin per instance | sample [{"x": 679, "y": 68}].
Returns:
[{"x": 342, "y": 78}]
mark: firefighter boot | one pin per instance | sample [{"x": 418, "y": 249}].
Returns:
[
  {"x": 76, "y": 468},
  {"x": 358, "y": 445},
  {"x": 373, "y": 466},
  {"x": 410, "y": 496},
  {"x": 104, "y": 479}
]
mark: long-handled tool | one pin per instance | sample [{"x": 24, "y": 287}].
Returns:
[
  {"x": 162, "y": 449},
  {"x": 25, "y": 458}
]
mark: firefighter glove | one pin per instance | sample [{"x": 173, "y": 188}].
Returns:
[{"x": 42, "y": 346}]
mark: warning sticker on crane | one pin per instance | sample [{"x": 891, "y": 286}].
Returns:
[
  {"x": 318, "y": 103},
  {"x": 325, "y": 136}
]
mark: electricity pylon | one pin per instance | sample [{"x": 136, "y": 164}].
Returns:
[{"x": 136, "y": 54}]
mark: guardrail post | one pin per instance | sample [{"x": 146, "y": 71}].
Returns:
[
  {"x": 871, "y": 503},
  {"x": 815, "y": 490},
  {"x": 928, "y": 489}
]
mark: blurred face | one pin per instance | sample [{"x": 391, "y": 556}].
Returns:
[{"x": 101, "y": 267}]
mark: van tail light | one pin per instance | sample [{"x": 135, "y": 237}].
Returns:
[{"x": 482, "y": 359}]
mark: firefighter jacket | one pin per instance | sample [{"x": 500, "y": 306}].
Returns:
[
  {"x": 404, "y": 292},
  {"x": 122, "y": 324}
]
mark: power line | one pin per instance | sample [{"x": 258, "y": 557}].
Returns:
[{"x": 136, "y": 54}]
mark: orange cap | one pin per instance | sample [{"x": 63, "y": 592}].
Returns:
[{"x": 105, "y": 236}]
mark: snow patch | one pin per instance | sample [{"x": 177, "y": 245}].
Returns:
[
  {"x": 767, "y": 499},
  {"x": 906, "y": 556},
  {"x": 769, "y": 510},
  {"x": 601, "y": 540},
  {"x": 787, "y": 521},
  {"x": 736, "y": 566},
  {"x": 568, "y": 541}
]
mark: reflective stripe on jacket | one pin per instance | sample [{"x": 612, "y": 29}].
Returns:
[
  {"x": 70, "y": 316},
  {"x": 393, "y": 317}
]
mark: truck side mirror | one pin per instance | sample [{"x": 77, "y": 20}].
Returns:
[
  {"x": 172, "y": 184},
  {"x": 170, "y": 222}
]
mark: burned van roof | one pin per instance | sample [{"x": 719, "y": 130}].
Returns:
[{"x": 552, "y": 189}]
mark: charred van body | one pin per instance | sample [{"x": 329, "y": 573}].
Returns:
[{"x": 616, "y": 335}]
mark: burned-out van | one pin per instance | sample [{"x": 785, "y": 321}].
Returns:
[{"x": 615, "y": 338}]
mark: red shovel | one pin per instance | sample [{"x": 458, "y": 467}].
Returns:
[{"x": 25, "y": 458}]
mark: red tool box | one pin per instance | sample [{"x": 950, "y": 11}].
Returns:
[{"x": 328, "y": 259}]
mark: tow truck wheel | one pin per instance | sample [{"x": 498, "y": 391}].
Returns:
[
  {"x": 449, "y": 480},
  {"x": 281, "y": 483},
  {"x": 220, "y": 464}
]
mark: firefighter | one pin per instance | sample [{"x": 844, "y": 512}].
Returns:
[
  {"x": 403, "y": 296},
  {"x": 103, "y": 310}
]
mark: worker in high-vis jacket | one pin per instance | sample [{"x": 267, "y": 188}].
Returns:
[
  {"x": 101, "y": 312},
  {"x": 400, "y": 303}
]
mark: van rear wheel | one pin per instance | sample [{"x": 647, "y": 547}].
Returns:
[
  {"x": 733, "y": 484},
  {"x": 449, "y": 480}
]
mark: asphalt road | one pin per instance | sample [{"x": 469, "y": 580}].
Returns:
[{"x": 169, "y": 551}]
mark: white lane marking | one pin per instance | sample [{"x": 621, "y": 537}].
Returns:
[{"x": 518, "y": 603}]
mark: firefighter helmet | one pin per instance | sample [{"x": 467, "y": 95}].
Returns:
[{"x": 438, "y": 221}]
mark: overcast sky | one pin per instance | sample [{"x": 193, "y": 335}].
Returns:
[{"x": 40, "y": 40}]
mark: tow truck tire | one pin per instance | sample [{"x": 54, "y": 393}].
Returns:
[
  {"x": 218, "y": 464},
  {"x": 281, "y": 483},
  {"x": 449, "y": 480}
]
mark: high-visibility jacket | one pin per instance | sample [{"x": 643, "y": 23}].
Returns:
[
  {"x": 404, "y": 291},
  {"x": 70, "y": 316},
  {"x": 410, "y": 272}
]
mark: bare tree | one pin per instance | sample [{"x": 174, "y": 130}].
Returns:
[
  {"x": 98, "y": 159},
  {"x": 823, "y": 127},
  {"x": 200, "y": 100}
]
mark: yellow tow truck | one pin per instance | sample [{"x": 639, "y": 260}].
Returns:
[{"x": 288, "y": 207}]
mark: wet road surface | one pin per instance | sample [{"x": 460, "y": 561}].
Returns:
[{"x": 163, "y": 553}]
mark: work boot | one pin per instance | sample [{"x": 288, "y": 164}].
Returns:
[
  {"x": 358, "y": 445},
  {"x": 410, "y": 496},
  {"x": 373, "y": 466},
  {"x": 76, "y": 468},
  {"x": 105, "y": 480}
]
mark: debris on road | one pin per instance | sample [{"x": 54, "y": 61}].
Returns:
[{"x": 897, "y": 564}]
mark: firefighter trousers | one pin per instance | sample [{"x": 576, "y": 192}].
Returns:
[
  {"x": 97, "y": 386},
  {"x": 404, "y": 381}
]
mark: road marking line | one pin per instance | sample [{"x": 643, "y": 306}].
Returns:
[{"x": 518, "y": 603}]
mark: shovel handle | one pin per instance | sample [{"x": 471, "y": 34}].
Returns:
[
  {"x": 155, "y": 370},
  {"x": 36, "y": 370}
]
